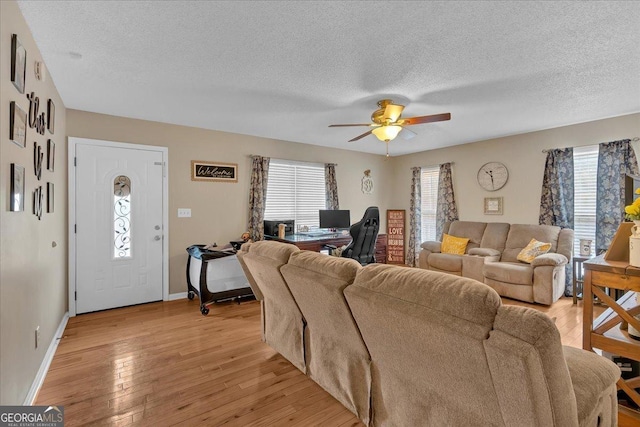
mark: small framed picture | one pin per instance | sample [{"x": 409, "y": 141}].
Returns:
[
  {"x": 51, "y": 155},
  {"x": 51, "y": 116},
  {"x": 17, "y": 125},
  {"x": 37, "y": 202},
  {"x": 18, "y": 63},
  {"x": 214, "y": 171},
  {"x": 493, "y": 205},
  {"x": 17, "y": 188},
  {"x": 50, "y": 194}
]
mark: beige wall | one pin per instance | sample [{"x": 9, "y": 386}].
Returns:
[
  {"x": 521, "y": 154},
  {"x": 219, "y": 210},
  {"x": 33, "y": 274}
]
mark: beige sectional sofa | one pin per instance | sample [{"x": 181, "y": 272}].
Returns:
[
  {"x": 491, "y": 258},
  {"x": 408, "y": 347}
]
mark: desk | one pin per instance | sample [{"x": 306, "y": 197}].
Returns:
[
  {"x": 608, "y": 331},
  {"x": 316, "y": 243}
]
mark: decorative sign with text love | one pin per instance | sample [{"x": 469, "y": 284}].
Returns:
[
  {"x": 214, "y": 171},
  {"x": 395, "y": 236}
]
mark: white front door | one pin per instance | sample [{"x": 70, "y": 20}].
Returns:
[{"x": 119, "y": 226}]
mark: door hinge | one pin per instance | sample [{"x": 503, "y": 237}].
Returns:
[
  {"x": 75, "y": 161},
  {"x": 75, "y": 228},
  {"x": 75, "y": 295}
]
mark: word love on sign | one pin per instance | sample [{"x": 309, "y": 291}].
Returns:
[
  {"x": 395, "y": 236},
  {"x": 214, "y": 171}
]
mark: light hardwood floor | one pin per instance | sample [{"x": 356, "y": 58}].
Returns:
[{"x": 165, "y": 364}]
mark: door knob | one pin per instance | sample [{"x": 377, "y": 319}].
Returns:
[{"x": 157, "y": 238}]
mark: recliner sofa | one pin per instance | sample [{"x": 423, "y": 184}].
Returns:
[
  {"x": 407, "y": 347},
  {"x": 491, "y": 257}
]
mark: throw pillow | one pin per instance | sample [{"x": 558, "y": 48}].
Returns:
[
  {"x": 532, "y": 250},
  {"x": 453, "y": 245}
]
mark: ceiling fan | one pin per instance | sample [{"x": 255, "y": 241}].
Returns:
[{"x": 387, "y": 122}]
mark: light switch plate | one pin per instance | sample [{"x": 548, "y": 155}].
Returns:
[{"x": 184, "y": 213}]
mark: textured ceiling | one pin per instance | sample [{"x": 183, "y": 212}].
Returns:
[{"x": 286, "y": 70}]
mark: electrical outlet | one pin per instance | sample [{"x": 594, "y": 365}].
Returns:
[
  {"x": 37, "y": 336},
  {"x": 184, "y": 213}
]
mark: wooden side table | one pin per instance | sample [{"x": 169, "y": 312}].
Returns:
[{"x": 605, "y": 332}]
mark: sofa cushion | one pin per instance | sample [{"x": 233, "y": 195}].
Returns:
[
  {"x": 495, "y": 236},
  {"x": 521, "y": 234},
  {"x": 532, "y": 250},
  {"x": 454, "y": 245},
  {"x": 509, "y": 272},
  {"x": 445, "y": 262},
  {"x": 590, "y": 375},
  {"x": 469, "y": 229}
]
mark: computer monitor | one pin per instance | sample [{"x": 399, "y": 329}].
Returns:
[{"x": 334, "y": 219}]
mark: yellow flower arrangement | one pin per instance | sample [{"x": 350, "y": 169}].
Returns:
[{"x": 632, "y": 212}]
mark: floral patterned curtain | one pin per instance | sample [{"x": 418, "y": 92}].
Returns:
[
  {"x": 331, "y": 186},
  {"x": 615, "y": 160},
  {"x": 446, "y": 209},
  {"x": 258, "y": 196},
  {"x": 415, "y": 215},
  {"x": 556, "y": 202}
]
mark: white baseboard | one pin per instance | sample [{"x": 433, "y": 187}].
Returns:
[
  {"x": 179, "y": 295},
  {"x": 46, "y": 362}
]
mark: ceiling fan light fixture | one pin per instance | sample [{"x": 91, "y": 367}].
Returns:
[{"x": 387, "y": 133}]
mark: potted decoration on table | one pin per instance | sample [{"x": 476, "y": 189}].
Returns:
[{"x": 632, "y": 213}]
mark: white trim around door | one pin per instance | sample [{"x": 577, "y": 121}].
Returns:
[{"x": 73, "y": 142}]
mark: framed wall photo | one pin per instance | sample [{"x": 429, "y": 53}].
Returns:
[
  {"x": 214, "y": 171},
  {"x": 17, "y": 125},
  {"x": 493, "y": 205},
  {"x": 16, "y": 203},
  {"x": 51, "y": 116},
  {"x": 50, "y": 194},
  {"x": 18, "y": 63},
  {"x": 51, "y": 155}
]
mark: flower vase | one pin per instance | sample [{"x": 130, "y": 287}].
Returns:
[{"x": 634, "y": 244}]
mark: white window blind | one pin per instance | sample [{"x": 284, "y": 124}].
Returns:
[
  {"x": 429, "y": 177},
  {"x": 585, "y": 167},
  {"x": 295, "y": 190}
]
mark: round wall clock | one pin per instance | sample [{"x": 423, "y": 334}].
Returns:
[{"x": 493, "y": 176}]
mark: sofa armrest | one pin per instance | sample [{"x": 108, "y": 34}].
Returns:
[
  {"x": 549, "y": 259},
  {"x": 484, "y": 252},
  {"x": 431, "y": 246}
]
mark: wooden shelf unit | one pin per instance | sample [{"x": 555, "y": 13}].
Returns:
[{"x": 608, "y": 332}]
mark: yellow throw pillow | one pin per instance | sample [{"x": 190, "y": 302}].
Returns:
[
  {"x": 453, "y": 245},
  {"x": 533, "y": 249}
]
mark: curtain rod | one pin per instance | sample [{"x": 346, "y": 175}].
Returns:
[
  {"x": 291, "y": 160},
  {"x": 432, "y": 166},
  {"x": 546, "y": 150}
]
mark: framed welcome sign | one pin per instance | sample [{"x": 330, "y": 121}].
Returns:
[{"x": 214, "y": 171}]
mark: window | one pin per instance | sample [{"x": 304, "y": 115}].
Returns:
[
  {"x": 295, "y": 190},
  {"x": 429, "y": 177},
  {"x": 585, "y": 166},
  {"x": 122, "y": 217}
]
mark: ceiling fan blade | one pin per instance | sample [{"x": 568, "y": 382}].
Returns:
[
  {"x": 407, "y": 134},
  {"x": 425, "y": 119},
  {"x": 392, "y": 112},
  {"x": 361, "y": 136},
  {"x": 353, "y": 124}
]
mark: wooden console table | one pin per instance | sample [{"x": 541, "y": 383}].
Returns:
[{"x": 606, "y": 332}]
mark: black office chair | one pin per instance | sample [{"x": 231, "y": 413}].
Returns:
[{"x": 364, "y": 234}]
